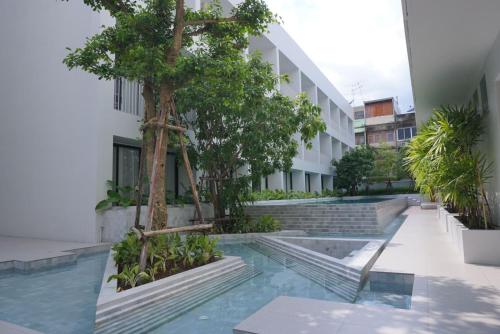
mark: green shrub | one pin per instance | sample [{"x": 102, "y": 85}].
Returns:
[
  {"x": 267, "y": 194},
  {"x": 266, "y": 223},
  {"x": 167, "y": 255}
]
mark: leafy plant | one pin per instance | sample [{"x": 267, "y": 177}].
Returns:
[
  {"x": 354, "y": 167},
  {"x": 443, "y": 161},
  {"x": 167, "y": 255},
  {"x": 122, "y": 196},
  {"x": 131, "y": 276},
  {"x": 266, "y": 223},
  {"x": 128, "y": 251},
  {"x": 279, "y": 194}
]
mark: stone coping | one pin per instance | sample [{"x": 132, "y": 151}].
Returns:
[
  {"x": 358, "y": 261},
  {"x": 109, "y": 295},
  {"x": 326, "y": 199},
  {"x": 52, "y": 260}
]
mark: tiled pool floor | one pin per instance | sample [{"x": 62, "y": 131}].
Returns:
[{"x": 60, "y": 300}]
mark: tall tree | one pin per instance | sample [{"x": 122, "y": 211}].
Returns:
[
  {"x": 385, "y": 164},
  {"x": 243, "y": 127},
  {"x": 353, "y": 168},
  {"x": 160, "y": 43}
]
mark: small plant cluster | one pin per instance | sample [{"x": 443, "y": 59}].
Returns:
[
  {"x": 121, "y": 196},
  {"x": 264, "y": 224},
  {"x": 266, "y": 195},
  {"x": 167, "y": 255}
]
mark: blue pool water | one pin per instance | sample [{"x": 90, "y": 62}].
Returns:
[
  {"x": 63, "y": 300},
  {"x": 60, "y": 300},
  {"x": 221, "y": 314}
]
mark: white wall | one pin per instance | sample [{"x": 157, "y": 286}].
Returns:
[
  {"x": 52, "y": 123},
  {"x": 491, "y": 144}
]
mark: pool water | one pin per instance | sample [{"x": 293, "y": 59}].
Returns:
[
  {"x": 63, "y": 300},
  {"x": 221, "y": 314},
  {"x": 59, "y": 300}
]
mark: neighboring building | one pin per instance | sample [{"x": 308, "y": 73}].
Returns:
[
  {"x": 64, "y": 133},
  {"x": 454, "y": 56},
  {"x": 381, "y": 122},
  {"x": 359, "y": 125}
]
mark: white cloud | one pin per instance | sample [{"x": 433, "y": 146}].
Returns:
[{"x": 353, "y": 41}]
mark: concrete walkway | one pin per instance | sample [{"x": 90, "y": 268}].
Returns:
[
  {"x": 31, "y": 254},
  {"x": 448, "y": 295}
]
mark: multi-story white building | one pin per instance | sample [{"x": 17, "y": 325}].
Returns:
[
  {"x": 64, "y": 133},
  {"x": 454, "y": 54}
]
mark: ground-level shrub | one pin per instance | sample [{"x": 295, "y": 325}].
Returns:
[
  {"x": 168, "y": 254},
  {"x": 267, "y": 194}
]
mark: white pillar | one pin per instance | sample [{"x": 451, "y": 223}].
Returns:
[
  {"x": 298, "y": 180},
  {"x": 315, "y": 183},
  {"x": 275, "y": 181}
]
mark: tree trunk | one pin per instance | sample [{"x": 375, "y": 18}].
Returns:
[
  {"x": 147, "y": 148},
  {"x": 149, "y": 132}
]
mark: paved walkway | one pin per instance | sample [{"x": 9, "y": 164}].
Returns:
[
  {"x": 449, "y": 296},
  {"x": 29, "y": 254},
  {"x": 8, "y": 328}
]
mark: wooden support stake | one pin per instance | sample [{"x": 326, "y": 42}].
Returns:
[{"x": 187, "y": 165}]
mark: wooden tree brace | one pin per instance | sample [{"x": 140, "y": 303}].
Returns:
[
  {"x": 153, "y": 123},
  {"x": 144, "y": 235}
]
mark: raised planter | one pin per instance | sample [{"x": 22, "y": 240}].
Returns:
[
  {"x": 474, "y": 246},
  {"x": 141, "y": 309},
  {"x": 117, "y": 221}
]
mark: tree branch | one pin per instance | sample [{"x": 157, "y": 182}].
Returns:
[{"x": 211, "y": 21}]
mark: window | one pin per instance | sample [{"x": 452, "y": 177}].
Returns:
[
  {"x": 118, "y": 94},
  {"x": 126, "y": 165},
  {"x": 359, "y": 114},
  {"x": 390, "y": 136},
  {"x": 406, "y": 133},
  {"x": 127, "y": 97}
]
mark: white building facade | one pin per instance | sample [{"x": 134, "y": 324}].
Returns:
[
  {"x": 454, "y": 54},
  {"x": 64, "y": 133}
]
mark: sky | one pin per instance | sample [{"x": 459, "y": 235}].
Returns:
[{"x": 358, "y": 44}]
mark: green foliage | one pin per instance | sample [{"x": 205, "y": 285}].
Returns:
[
  {"x": 266, "y": 223},
  {"x": 443, "y": 161},
  {"x": 354, "y": 167},
  {"x": 167, "y": 255},
  {"x": 242, "y": 121},
  {"x": 245, "y": 224},
  {"x": 127, "y": 252},
  {"x": 122, "y": 196},
  {"x": 138, "y": 45},
  {"x": 131, "y": 276},
  {"x": 385, "y": 164},
  {"x": 267, "y": 194}
]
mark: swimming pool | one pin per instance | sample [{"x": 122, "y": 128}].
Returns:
[
  {"x": 63, "y": 300},
  {"x": 59, "y": 300}
]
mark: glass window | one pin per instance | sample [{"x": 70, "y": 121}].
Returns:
[
  {"x": 413, "y": 131},
  {"x": 407, "y": 133},
  {"x": 401, "y": 134},
  {"x": 390, "y": 136},
  {"x": 126, "y": 171}
]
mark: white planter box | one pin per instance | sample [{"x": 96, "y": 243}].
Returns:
[{"x": 474, "y": 246}]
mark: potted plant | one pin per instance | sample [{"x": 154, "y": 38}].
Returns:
[{"x": 445, "y": 163}]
